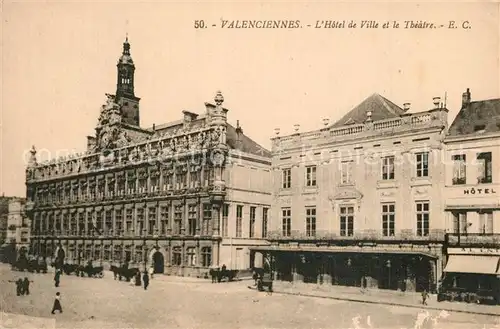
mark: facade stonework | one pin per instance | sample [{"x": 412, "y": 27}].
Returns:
[
  {"x": 150, "y": 196},
  {"x": 359, "y": 202}
]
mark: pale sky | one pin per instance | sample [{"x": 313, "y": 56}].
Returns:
[{"x": 59, "y": 59}]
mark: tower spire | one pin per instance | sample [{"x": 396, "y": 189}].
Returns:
[{"x": 125, "y": 86}]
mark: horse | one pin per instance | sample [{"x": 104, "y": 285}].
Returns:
[
  {"x": 69, "y": 268},
  {"x": 93, "y": 272}
]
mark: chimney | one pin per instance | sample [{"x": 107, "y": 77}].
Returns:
[
  {"x": 296, "y": 127},
  {"x": 239, "y": 138},
  {"x": 436, "y": 101},
  {"x": 326, "y": 121},
  {"x": 466, "y": 98},
  {"x": 406, "y": 106},
  {"x": 154, "y": 128}
]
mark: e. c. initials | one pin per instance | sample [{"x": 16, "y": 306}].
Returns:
[{"x": 369, "y": 25}]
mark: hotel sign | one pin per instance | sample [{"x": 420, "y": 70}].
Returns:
[{"x": 479, "y": 191}]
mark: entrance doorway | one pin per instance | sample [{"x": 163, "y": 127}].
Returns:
[{"x": 158, "y": 262}]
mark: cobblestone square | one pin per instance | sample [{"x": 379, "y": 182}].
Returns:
[{"x": 173, "y": 302}]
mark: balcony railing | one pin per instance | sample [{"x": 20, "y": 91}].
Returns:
[
  {"x": 473, "y": 240},
  {"x": 359, "y": 235}
]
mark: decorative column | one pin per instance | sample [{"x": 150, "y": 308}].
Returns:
[
  {"x": 215, "y": 253},
  {"x": 215, "y": 222}
]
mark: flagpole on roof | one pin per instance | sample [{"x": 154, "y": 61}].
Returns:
[{"x": 445, "y": 95}]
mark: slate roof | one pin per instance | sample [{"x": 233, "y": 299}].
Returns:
[
  {"x": 247, "y": 145},
  {"x": 381, "y": 109},
  {"x": 479, "y": 117}
]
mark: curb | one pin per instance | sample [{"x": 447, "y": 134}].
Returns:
[{"x": 384, "y": 303}]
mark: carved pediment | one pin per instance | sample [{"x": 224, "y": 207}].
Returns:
[{"x": 347, "y": 193}]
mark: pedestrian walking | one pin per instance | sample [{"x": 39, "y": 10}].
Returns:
[
  {"x": 145, "y": 279},
  {"x": 138, "y": 279},
  {"x": 57, "y": 278},
  {"x": 57, "y": 304},
  {"x": 26, "y": 286},
  {"x": 425, "y": 295},
  {"x": 19, "y": 286}
]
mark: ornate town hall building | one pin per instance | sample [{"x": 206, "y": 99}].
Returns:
[
  {"x": 182, "y": 196},
  {"x": 359, "y": 202}
]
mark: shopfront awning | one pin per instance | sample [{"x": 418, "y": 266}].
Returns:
[{"x": 473, "y": 264}]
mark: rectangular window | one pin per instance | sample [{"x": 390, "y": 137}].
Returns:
[
  {"x": 286, "y": 178},
  {"x": 484, "y": 166},
  {"x": 311, "y": 176},
  {"x": 118, "y": 221},
  {"x": 460, "y": 222},
  {"x": 207, "y": 217},
  {"x": 108, "y": 222},
  {"x": 176, "y": 256},
  {"x": 388, "y": 167},
  {"x": 168, "y": 181},
  {"x": 310, "y": 221},
  {"x": 459, "y": 169},
  {"x": 423, "y": 215},
  {"x": 151, "y": 220},
  {"x": 286, "y": 221},
  {"x": 346, "y": 172},
  {"x": 131, "y": 185},
  {"x": 486, "y": 222},
  {"x": 181, "y": 179},
  {"x": 239, "y": 221},
  {"x": 388, "y": 219},
  {"x": 194, "y": 178},
  {"x": 140, "y": 221},
  {"x": 164, "y": 216},
  {"x": 346, "y": 221},
  {"x": 192, "y": 217},
  {"x": 225, "y": 215},
  {"x": 129, "y": 217},
  {"x": 178, "y": 210},
  {"x": 153, "y": 183},
  {"x": 422, "y": 164},
  {"x": 191, "y": 256},
  {"x": 121, "y": 186},
  {"x": 251, "y": 232},
  {"x": 206, "y": 256},
  {"x": 265, "y": 212},
  {"x": 142, "y": 185},
  {"x": 208, "y": 176}
]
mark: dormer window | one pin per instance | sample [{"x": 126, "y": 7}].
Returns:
[{"x": 479, "y": 128}]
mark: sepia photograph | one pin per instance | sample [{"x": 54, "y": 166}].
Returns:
[{"x": 250, "y": 164}]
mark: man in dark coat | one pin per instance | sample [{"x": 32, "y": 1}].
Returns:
[
  {"x": 19, "y": 286},
  {"x": 145, "y": 279},
  {"x": 57, "y": 278},
  {"x": 57, "y": 304},
  {"x": 138, "y": 278},
  {"x": 26, "y": 286}
]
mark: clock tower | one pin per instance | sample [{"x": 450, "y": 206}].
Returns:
[{"x": 125, "y": 96}]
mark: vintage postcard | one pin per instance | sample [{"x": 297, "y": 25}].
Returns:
[{"x": 250, "y": 164}]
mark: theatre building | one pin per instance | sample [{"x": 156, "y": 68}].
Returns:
[
  {"x": 359, "y": 202},
  {"x": 181, "y": 196},
  {"x": 472, "y": 197}
]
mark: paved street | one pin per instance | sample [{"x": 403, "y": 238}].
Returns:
[{"x": 172, "y": 302}]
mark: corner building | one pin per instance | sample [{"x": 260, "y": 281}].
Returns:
[
  {"x": 359, "y": 202},
  {"x": 472, "y": 203},
  {"x": 181, "y": 196}
]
